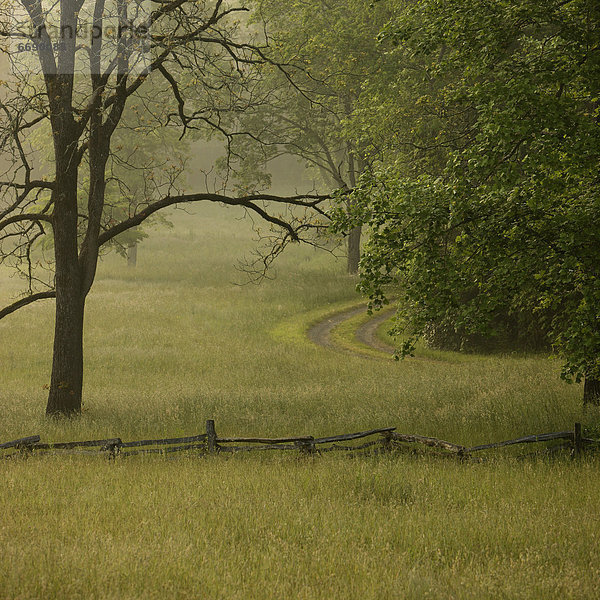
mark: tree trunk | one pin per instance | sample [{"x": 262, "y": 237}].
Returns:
[
  {"x": 67, "y": 363},
  {"x": 354, "y": 250},
  {"x": 591, "y": 391},
  {"x": 66, "y": 384},
  {"x": 355, "y": 167},
  {"x": 132, "y": 255}
]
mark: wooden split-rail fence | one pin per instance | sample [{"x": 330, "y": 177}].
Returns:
[{"x": 385, "y": 439}]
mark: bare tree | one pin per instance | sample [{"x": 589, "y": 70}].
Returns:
[{"x": 183, "y": 63}]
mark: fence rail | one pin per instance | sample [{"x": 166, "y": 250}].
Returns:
[{"x": 210, "y": 443}]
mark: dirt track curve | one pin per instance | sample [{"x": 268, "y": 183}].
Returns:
[{"x": 320, "y": 333}]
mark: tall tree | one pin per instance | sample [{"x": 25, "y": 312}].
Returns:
[
  {"x": 194, "y": 55},
  {"x": 509, "y": 220}
]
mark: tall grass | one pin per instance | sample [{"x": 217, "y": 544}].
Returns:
[{"x": 177, "y": 341}]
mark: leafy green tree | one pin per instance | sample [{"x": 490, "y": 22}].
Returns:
[{"x": 507, "y": 216}]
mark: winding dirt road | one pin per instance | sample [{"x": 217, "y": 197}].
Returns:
[{"x": 320, "y": 333}]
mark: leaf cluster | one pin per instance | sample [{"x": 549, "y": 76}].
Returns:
[{"x": 487, "y": 202}]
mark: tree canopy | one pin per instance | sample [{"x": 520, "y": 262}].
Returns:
[
  {"x": 486, "y": 200},
  {"x": 334, "y": 47}
]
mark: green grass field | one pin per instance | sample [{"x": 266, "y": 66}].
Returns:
[{"x": 177, "y": 341}]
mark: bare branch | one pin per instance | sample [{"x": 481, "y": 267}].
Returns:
[
  {"x": 309, "y": 201},
  {"x": 11, "y": 308},
  {"x": 24, "y": 217}
]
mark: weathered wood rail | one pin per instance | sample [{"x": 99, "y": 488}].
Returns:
[{"x": 209, "y": 443}]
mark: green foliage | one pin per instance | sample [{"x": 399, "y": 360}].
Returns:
[
  {"x": 509, "y": 220},
  {"x": 147, "y": 159}
]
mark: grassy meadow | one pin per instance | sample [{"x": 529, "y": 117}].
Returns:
[{"x": 176, "y": 341}]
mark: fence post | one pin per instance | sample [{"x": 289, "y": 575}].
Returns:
[
  {"x": 307, "y": 446},
  {"x": 211, "y": 437},
  {"x": 577, "y": 440},
  {"x": 386, "y": 440},
  {"x": 112, "y": 449}
]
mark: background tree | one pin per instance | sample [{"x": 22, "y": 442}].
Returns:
[
  {"x": 197, "y": 53},
  {"x": 511, "y": 219},
  {"x": 309, "y": 108}
]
